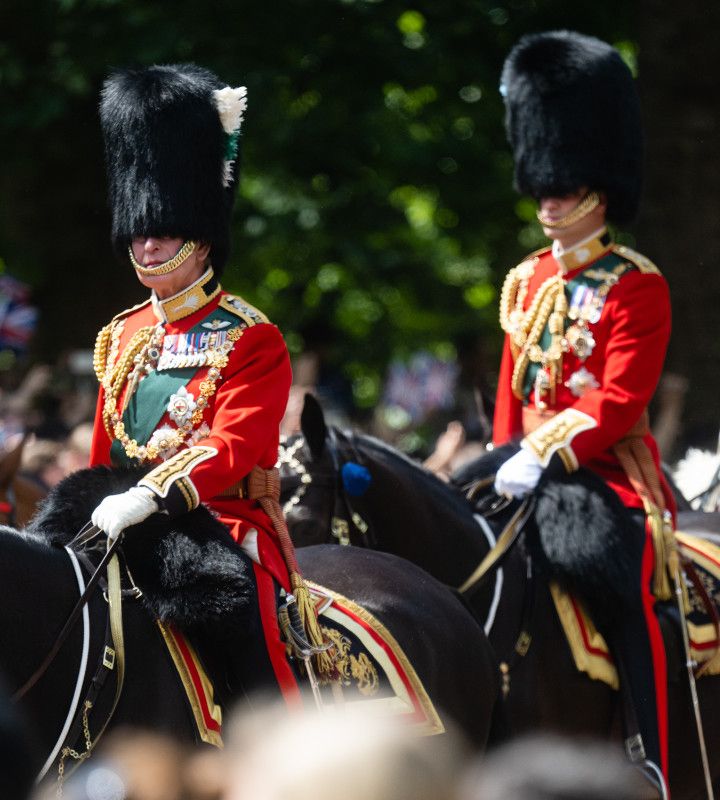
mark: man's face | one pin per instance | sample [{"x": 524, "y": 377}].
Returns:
[
  {"x": 150, "y": 251},
  {"x": 553, "y": 209}
]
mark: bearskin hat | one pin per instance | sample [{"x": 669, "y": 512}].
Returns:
[
  {"x": 573, "y": 120},
  {"x": 171, "y": 147}
]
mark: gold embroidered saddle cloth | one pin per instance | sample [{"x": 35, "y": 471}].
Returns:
[
  {"x": 588, "y": 647},
  {"x": 374, "y": 670}
]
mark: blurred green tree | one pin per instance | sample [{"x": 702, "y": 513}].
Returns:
[{"x": 376, "y": 200}]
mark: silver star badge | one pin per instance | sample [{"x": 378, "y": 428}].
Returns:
[{"x": 582, "y": 382}]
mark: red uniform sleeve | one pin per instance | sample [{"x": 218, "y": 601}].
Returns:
[
  {"x": 639, "y": 312},
  {"x": 507, "y": 422},
  {"x": 249, "y": 405}
]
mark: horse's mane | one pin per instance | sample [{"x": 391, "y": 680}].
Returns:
[{"x": 190, "y": 570}]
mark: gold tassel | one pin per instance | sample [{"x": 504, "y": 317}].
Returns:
[
  {"x": 662, "y": 587},
  {"x": 324, "y": 662}
]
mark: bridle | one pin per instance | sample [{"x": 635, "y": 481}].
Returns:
[
  {"x": 344, "y": 516},
  {"x": 112, "y": 657}
]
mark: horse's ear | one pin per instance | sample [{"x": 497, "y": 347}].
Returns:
[
  {"x": 10, "y": 462},
  {"x": 312, "y": 424}
]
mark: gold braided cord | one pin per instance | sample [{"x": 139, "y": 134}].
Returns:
[
  {"x": 168, "y": 266},
  {"x": 114, "y": 380},
  {"x": 589, "y": 203},
  {"x": 540, "y": 312},
  {"x": 100, "y": 353}
]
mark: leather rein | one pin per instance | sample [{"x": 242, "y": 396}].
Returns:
[{"x": 112, "y": 656}]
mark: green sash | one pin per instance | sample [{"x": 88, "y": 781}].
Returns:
[{"x": 149, "y": 403}]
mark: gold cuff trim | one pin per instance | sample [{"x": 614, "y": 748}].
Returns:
[
  {"x": 568, "y": 458},
  {"x": 556, "y": 434},
  {"x": 176, "y": 470}
]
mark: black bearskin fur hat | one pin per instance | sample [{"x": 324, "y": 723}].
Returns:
[
  {"x": 165, "y": 153},
  {"x": 573, "y": 120}
]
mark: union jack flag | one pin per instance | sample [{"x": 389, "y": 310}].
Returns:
[{"x": 17, "y": 317}]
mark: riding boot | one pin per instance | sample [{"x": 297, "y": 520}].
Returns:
[{"x": 636, "y": 642}]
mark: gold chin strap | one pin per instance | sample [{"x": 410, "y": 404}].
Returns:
[
  {"x": 589, "y": 203},
  {"x": 168, "y": 266}
]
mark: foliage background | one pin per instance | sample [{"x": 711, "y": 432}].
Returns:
[{"x": 375, "y": 209}]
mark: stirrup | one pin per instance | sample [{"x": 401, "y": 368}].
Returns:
[{"x": 654, "y": 774}]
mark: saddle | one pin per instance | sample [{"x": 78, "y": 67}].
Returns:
[{"x": 371, "y": 669}]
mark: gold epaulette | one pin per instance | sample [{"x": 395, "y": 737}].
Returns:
[
  {"x": 128, "y": 311},
  {"x": 643, "y": 263},
  {"x": 531, "y": 258},
  {"x": 242, "y": 309}
]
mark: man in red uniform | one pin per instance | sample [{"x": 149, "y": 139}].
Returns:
[
  {"x": 587, "y": 321},
  {"x": 194, "y": 380}
]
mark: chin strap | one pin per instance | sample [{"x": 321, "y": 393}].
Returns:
[
  {"x": 589, "y": 203},
  {"x": 167, "y": 266}
]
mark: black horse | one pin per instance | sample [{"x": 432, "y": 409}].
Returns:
[
  {"x": 400, "y": 507},
  {"x": 194, "y": 576}
]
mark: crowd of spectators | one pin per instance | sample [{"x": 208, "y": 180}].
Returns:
[{"x": 273, "y": 755}]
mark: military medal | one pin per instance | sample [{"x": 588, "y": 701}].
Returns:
[
  {"x": 581, "y": 382},
  {"x": 182, "y": 350},
  {"x": 580, "y": 340},
  {"x": 181, "y": 406}
]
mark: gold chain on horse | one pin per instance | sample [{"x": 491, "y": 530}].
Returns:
[{"x": 68, "y": 752}]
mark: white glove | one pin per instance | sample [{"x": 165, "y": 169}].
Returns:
[
  {"x": 120, "y": 511},
  {"x": 519, "y": 475}
]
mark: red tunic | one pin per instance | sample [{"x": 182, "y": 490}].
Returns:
[
  {"x": 630, "y": 339},
  {"x": 239, "y": 427}
]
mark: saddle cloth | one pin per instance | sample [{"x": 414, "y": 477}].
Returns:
[
  {"x": 588, "y": 647},
  {"x": 373, "y": 670}
]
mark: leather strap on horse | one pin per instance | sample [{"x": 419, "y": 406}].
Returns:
[
  {"x": 263, "y": 485},
  {"x": 69, "y": 623},
  {"x": 505, "y": 541},
  {"x": 113, "y": 660}
]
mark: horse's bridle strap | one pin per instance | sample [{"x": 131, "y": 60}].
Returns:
[
  {"x": 504, "y": 542},
  {"x": 69, "y": 623}
]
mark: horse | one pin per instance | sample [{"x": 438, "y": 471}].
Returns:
[
  {"x": 202, "y": 588},
  {"x": 350, "y": 487}
]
